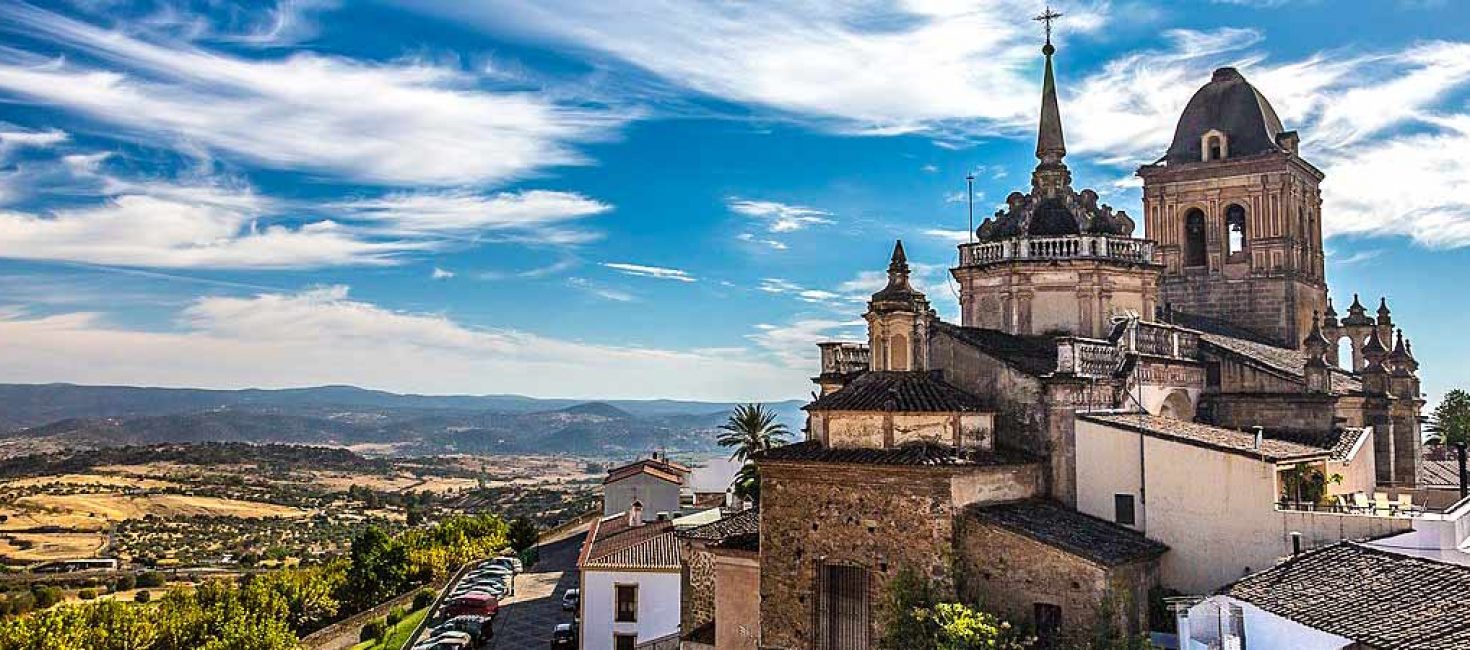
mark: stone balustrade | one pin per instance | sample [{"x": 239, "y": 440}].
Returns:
[
  {"x": 1126, "y": 249},
  {"x": 1159, "y": 340},
  {"x": 842, "y": 357},
  {"x": 1084, "y": 357}
]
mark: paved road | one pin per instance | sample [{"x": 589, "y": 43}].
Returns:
[{"x": 526, "y": 620}]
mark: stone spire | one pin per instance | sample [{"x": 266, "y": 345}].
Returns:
[
  {"x": 1316, "y": 373},
  {"x": 1050, "y": 145},
  {"x": 898, "y": 265},
  {"x": 899, "y": 294},
  {"x": 1385, "y": 317}
]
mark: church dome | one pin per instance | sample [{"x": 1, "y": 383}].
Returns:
[{"x": 1231, "y": 105}]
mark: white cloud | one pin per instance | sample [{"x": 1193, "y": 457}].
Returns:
[
  {"x": 441, "y": 274},
  {"x": 795, "y": 345},
  {"x": 876, "y": 68},
  {"x": 530, "y": 215},
  {"x": 930, "y": 169},
  {"x": 601, "y": 291},
  {"x": 751, "y": 238},
  {"x": 12, "y": 140},
  {"x": 399, "y": 123},
  {"x": 780, "y": 217},
  {"x": 645, "y": 271},
  {"x": 322, "y": 336},
  {"x": 953, "y": 236},
  {"x": 169, "y": 226}
]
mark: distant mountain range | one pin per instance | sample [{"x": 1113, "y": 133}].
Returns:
[{"x": 50, "y": 416}]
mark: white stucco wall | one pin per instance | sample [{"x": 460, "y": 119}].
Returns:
[
  {"x": 658, "y": 606},
  {"x": 1262, "y": 629},
  {"x": 1215, "y": 510},
  {"x": 1358, "y": 474},
  {"x": 657, "y": 495}
]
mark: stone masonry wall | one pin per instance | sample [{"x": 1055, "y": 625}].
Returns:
[
  {"x": 1008, "y": 573},
  {"x": 697, "y": 588},
  {"x": 879, "y": 518}
]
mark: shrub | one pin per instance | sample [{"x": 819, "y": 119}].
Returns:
[
  {"x": 373, "y": 631},
  {"x": 423, "y": 599},
  {"x": 395, "y": 615},
  {"x": 142, "y": 596},
  {"x": 45, "y": 596},
  {"x": 124, "y": 582},
  {"x": 87, "y": 594},
  {"x": 150, "y": 579}
]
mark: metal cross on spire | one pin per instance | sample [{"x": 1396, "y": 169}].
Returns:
[{"x": 1045, "y": 19}]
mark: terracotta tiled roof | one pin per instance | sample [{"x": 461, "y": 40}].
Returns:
[
  {"x": 666, "y": 470},
  {"x": 1375, "y": 597},
  {"x": 1347, "y": 439},
  {"x": 1204, "y": 435},
  {"x": 918, "y": 454},
  {"x": 749, "y": 542},
  {"x": 1056, "y": 525},
  {"x": 613, "y": 544},
  {"x": 1033, "y": 355},
  {"x": 746, "y": 521},
  {"x": 899, "y": 391},
  {"x": 1441, "y": 474}
]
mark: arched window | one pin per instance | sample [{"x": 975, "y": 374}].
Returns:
[
  {"x": 1235, "y": 228},
  {"x": 1216, "y": 151},
  {"x": 898, "y": 349},
  {"x": 1194, "y": 238}
]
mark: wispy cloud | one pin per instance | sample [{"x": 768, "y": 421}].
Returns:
[
  {"x": 539, "y": 216},
  {"x": 780, "y": 217},
  {"x": 645, "y": 271},
  {"x": 441, "y": 274},
  {"x": 752, "y": 238},
  {"x": 875, "y": 68},
  {"x": 324, "y": 336},
  {"x": 600, "y": 290},
  {"x": 795, "y": 344},
  {"x": 406, "y": 123}
]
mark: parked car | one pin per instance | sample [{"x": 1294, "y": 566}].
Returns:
[
  {"x": 570, "y": 600},
  {"x": 442, "y": 635},
  {"x": 476, "y": 603},
  {"x": 478, "y": 627},
  {"x": 563, "y": 636},
  {"x": 508, "y": 562},
  {"x": 443, "y": 644}
]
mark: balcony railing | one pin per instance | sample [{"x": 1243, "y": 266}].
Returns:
[
  {"x": 1158, "y": 340},
  {"x": 841, "y": 358},
  {"x": 1086, "y": 357},
  {"x": 1053, "y": 248}
]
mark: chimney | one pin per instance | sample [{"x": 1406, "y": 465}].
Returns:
[
  {"x": 1260, "y": 433},
  {"x": 1464, "y": 478},
  {"x": 635, "y": 514},
  {"x": 1296, "y": 544}
]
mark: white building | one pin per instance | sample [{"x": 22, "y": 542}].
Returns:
[
  {"x": 1213, "y": 495},
  {"x": 1410, "y": 590},
  {"x": 630, "y": 577},
  {"x": 653, "y": 482}
]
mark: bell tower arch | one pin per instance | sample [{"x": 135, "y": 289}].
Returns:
[{"x": 1236, "y": 215}]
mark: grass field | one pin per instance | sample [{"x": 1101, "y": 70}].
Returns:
[
  {"x": 106, "y": 480},
  {"x": 116, "y": 507},
  {"x": 398, "y": 634},
  {"x": 40, "y": 547}
]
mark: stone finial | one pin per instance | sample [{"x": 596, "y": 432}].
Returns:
[
  {"x": 1385, "y": 317},
  {"x": 1316, "y": 343},
  {"x": 1357, "y": 314},
  {"x": 1330, "y": 316}
]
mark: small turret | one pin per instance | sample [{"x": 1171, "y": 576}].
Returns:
[
  {"x": 1330, "y": 318},
  {"x": 1385, "y": 317},
  {"x": 1357, "y": 314},
  {"x": 1316, "y": 373},
  {"x": 1375, "y": 373}
]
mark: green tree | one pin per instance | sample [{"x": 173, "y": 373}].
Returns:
[
  {"x": 749, "y": 430},
  {"x": 1450, "y": 421},
  {"x": 523, "y": 534},
  {"x": 378, "y": 569}
]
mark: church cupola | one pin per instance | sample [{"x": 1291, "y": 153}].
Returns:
[
  {"x": 1054, "y": 260},
  {"x": 898, "y": 320}
]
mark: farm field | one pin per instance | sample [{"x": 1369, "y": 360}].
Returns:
[{"x": 117, "y": 507}]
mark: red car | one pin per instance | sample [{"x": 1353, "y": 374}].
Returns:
[{"x": 471, "y": 604}]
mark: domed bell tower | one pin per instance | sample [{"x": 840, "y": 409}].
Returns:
[{"x": 1237, "y": 213}]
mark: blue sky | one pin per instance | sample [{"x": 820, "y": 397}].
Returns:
[{"x": 641, "y": 199}]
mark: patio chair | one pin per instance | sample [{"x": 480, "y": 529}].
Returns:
[
  {"x": 1381, "y": 503},
  {"x": 1360, "y": 503},
  {"x": 1342, "y": 502},
  {"x": 1406, "y": 504}
]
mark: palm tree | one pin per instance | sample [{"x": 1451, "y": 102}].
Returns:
[{"x": 751, "y": 429}]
